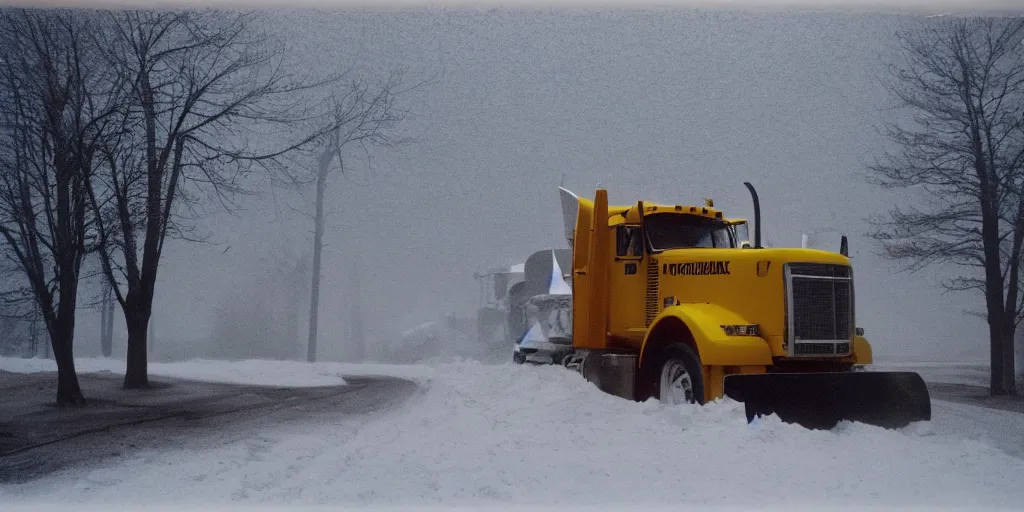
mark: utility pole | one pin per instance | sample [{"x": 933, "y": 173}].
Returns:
[
  {"x": 355, "y": 311},
  {"x": 323, "y": 169}
]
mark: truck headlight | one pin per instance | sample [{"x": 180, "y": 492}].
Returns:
[{"x": 742, "y": 330}]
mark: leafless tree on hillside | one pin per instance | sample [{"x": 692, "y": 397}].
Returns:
[
  {"x": 963, "y": 83},
  {"x": 55, "y": 111}
]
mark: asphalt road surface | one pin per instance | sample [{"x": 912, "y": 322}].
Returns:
[{"x": 38, "y": 438}]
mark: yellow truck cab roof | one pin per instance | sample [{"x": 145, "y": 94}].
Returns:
[{"x": 617, "y": 214}]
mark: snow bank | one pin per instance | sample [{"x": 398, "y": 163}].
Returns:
[
  {"x": 38, "y": 365},
  {"x": 521, "y": 436},
  {"x": 255, "y": 372}
]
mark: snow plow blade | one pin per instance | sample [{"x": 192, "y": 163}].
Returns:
[{"x": 822, "y": 400}]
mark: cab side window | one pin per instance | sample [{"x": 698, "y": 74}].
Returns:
[{"x": 628, "y": 242}]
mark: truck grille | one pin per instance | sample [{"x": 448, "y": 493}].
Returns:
[
  {"x": 820, "y": 303},
  {"x": 652, "y": 290},
  {"x": 822, "y": 349}
]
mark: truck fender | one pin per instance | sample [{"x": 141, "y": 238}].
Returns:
[{"x": 700, "y": 325}]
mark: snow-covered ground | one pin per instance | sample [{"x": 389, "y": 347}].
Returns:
[
  {"x": 259, "y": 372},
  {"x": 522, "y": 435}
]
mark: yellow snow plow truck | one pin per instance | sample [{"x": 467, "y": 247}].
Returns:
[{"x": 674, "y": 302}]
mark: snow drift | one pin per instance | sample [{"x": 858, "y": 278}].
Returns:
[{"x": 480, "y": 435}]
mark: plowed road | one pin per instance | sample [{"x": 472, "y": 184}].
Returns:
[{"x": 37, "y": 438}]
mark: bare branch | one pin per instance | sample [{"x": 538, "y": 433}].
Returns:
[
  {"x": 962, "y": 81},
  {"x": 57, "y": 112}
]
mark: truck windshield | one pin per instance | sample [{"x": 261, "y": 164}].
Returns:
[{"x": 680, "y": 231}]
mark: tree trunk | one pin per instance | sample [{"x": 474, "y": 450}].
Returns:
[
  {"x": 47, "y": 348},
  {"x": 1009, "y": 371},
  {"x": 995, "y": 334},
  {"x": 62, "y": 338},
  {"x": 318, "y": 235},
  {"x": 108, "y": 342},
  {"x": 136, "y": 373},
  {"x": 107, "y": 329},
  {"x": 68, "y": 390},
  {"x": 1019, "y": 352},
  {"x": 994, "y": 300},
  {"x": 33, "y": 330}
]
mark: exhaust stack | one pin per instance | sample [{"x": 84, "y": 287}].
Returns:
[{"x": 757, "y": 215}]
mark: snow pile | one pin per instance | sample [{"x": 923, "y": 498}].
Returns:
[
  {"x": 38, "y": 364},
  {"x": 522, "y": 435},
  {"x": 254, "y": 371}
]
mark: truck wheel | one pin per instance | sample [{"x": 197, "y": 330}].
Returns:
[{"x": 680, "y": 380}]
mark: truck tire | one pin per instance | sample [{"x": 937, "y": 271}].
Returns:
[{"x": 680, "y": 379}]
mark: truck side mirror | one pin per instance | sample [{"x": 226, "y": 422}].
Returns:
[{"x": 844, "y": 246}]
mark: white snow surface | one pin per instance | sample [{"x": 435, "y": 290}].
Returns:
[
  {"x": 253, "y": 371},
  {"x": 510, "y": 435}
]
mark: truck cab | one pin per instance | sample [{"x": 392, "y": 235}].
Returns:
[
  {"x": 653, "y": 279},
  {"x": 673, "y": 301}
]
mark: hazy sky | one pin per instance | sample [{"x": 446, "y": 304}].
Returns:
[{"x": 669, "y": 106}]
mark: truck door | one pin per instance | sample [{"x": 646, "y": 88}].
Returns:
[{"x": 627, "y": 284}]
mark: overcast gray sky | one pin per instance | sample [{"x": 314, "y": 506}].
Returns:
[{"x": 669, "y": 106}]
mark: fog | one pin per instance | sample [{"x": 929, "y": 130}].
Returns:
[{"x": 670, "y": 106}]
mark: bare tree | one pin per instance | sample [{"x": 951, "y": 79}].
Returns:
[
  {"x": 107, "y": 319},
  {"x": 19, "y": 314},
  {"x": 364, "y": 116},
  {"x": 963, "y": 83},
  {"x": 54, "y": 109},
  {"x": 202, "y": 83}
]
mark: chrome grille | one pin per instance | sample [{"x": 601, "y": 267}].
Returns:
[
  {"x": 820, "y": 306},
  {"x": 822, "y": 349},
  {"x": 819, "y": 270},
  {"x": 652, "y": 290}
]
